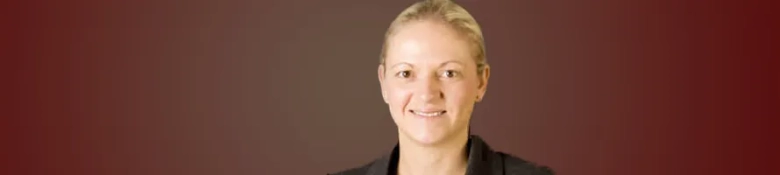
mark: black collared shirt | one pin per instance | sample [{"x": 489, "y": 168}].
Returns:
[{"x": 481, "y": 161}]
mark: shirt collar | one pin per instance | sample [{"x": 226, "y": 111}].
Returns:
[{"x": 481, "y": 160}]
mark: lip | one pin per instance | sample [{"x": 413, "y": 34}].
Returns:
[{"x": 428, "y": 113}]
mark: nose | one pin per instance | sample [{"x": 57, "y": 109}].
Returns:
[{"x": 429, "y": 89}]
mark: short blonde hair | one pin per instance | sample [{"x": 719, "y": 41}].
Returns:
[{"x": 451, "y": 14}]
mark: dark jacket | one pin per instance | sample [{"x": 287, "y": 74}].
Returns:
[{"x": 481, "y": 161}]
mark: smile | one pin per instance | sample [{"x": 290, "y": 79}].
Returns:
[{"x": 428, "y": 113}]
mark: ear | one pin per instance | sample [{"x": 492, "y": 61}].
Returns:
[
  {"x": 381, "y": 76},
  {"x": 483, "y": 82}
]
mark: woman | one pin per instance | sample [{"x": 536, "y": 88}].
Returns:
[{"x": 432, "y": 71}]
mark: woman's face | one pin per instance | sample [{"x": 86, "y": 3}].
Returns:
[{"x": 430, "y": 81}]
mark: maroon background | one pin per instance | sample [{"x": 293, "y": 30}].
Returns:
[{"x": 289, "y": 87}]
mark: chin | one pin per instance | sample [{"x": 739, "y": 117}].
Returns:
[{"x": 428, "y": 137}]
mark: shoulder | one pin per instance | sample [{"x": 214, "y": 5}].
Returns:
[
  {"x": 376, "y": 166},
  {"x": 517, "y": 166},
  {"x": 379, "y": 165}
]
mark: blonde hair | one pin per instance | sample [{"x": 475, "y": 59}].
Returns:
[{"x": 452, "y": 14}]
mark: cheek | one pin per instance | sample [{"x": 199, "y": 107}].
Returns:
[
  {"x": 398, "y": 97},
  {"x": 460, "y": 95},
  {"x": 460, "y": 101}
]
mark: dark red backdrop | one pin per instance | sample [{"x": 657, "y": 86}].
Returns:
[{"x": 289, "y": 87}]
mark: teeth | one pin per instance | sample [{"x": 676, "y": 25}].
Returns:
[{"x": 428, "y": 114}]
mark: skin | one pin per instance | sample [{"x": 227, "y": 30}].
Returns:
[{"x": 429, "y": 67}]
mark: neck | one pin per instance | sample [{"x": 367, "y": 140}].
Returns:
[{"x": 448, "y": 157}]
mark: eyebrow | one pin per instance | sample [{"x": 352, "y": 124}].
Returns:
[
  {"x": 450, "y": 62},
  {"x": 399, "y": 64},
  {"x": 440, "y": 65}
]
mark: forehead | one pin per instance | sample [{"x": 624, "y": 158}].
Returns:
[{"x": 427, "y": 41}]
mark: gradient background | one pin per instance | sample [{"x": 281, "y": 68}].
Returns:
[{"x": 289, "y": 87}]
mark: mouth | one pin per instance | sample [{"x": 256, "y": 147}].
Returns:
[{"x": 428, "y": 113}]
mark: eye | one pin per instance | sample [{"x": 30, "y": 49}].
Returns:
[
  {"x": 450, "y": 74},
  {"x": 403, "y": 74}
]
